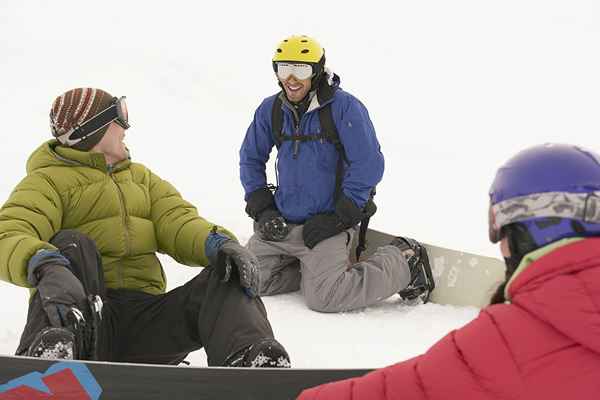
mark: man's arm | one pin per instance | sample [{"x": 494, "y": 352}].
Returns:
[
  {"x": 473, "y": 362},
  {"x": 363, "y": 152},
  {"x": 255, "y": 149},
  {"x": 180, "y": 231},
  {"x": 29, "y": 218}
]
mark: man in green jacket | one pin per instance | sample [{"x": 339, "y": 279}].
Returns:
[{"x": 82, "y": 229}]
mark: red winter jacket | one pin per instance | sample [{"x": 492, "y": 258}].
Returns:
[{"x": 544, "y": 345}]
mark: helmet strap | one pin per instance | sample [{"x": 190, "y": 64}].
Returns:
[{"x": 520, "y": 243}]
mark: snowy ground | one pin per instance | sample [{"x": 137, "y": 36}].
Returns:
[{"x": 453, "y": 89}]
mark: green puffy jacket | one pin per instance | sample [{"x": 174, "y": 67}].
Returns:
[{"x": 126, "y": 209}]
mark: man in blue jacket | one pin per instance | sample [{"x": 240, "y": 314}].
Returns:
[{"x": 328, "y": 164}]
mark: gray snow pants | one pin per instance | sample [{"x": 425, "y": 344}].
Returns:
[{"x": 327, "y": 278}]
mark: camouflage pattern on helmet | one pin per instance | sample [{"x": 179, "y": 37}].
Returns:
[{"x": 583, "y": 207}]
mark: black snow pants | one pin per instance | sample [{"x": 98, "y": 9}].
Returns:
[{"x": 158, "y": 329}]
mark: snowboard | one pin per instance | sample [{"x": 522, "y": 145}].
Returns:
[
  {"x": 37, "y": 379},
  {"x": 461, "y": 279}
]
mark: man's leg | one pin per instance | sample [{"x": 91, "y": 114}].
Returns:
[
  {"x": 330, "y": 283},
  {"x": 83, "y": 327},
  {"x": 279, "y": 272},
  {"x": 204, "y": 312}
]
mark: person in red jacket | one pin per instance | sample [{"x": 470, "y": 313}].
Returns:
[{"x": 540, "y": 338}]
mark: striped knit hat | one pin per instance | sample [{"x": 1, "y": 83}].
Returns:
[{"x": 75, "y": 107}]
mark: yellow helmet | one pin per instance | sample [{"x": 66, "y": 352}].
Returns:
[{"x": 299, "y": 49}]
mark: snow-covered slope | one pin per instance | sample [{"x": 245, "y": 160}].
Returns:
[{"x": 453, "y": 88}]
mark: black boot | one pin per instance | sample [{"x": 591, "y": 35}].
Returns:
[
  {"x": 421, "y": 278},
  {"x": 267, "y": 353},
  {"x": 62, "y": 343},
  {"x": 54, "y": 344}
]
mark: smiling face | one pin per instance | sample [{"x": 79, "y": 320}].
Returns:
[{"x": 295, "y": 89}]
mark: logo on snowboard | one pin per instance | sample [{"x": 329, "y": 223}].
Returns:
[{"x": 63, "y": 380}]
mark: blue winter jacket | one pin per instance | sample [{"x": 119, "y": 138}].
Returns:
[{"x": 306, "y": 181}]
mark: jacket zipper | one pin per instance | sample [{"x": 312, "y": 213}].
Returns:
[
  {"x": 296, "y": 133},
  {"x": 124, "y": 220}
]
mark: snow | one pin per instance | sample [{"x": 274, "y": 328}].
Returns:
[{"x": 453, "y": 89}]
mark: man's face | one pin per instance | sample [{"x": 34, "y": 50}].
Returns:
[
  {"x": 295, "y": 89},
  {"x": 112, "y": 145}
]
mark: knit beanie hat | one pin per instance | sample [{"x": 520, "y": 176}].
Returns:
[{"x": 75, "y": 107}]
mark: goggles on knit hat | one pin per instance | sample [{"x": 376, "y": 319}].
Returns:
[{"x": 80, "y": 117}]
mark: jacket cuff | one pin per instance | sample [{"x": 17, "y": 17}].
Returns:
[
  {"x": 213, "y": 244},
  {"x": 43, "y": 257}
]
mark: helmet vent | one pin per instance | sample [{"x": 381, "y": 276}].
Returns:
[
  {"x": 279, "y": 50},
  {"x": 285, "y": 40},
  {"x": 304, "y": 51},
  {"x": 304, "y": 41}
]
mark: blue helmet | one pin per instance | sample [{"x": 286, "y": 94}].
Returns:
[{"x": 552, "y": 189}]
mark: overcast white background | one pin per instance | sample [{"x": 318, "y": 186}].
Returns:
[{"x": 454, "y": 88}]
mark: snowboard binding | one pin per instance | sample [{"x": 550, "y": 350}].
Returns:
[
  {"x": 421, "y": 278},
  {"x": 78, "y": 340}
]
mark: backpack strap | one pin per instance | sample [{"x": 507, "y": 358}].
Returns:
[
  {"x": 330, "y": 132},
  {"x": 277, "y": 122}
]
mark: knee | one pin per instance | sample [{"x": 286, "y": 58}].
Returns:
[
  {"x": 66, "y": 237},
  {"x": 318, "y": 306},
  {"x": 321, "y": 299}
]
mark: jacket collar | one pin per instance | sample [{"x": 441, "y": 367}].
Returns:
[
  {"x": 562, "y": 289},
  {"x": 86, "y": 158},
  {"x": 532, "y": 257}
]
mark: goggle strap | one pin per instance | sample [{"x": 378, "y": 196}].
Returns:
[
  {"x": 90, "y": 127},
  {"x": 95, "y": 123}
]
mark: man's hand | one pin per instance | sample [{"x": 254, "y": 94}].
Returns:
[
  {"x": 59, "y": 290},
  {"x": 233, "y": 257},
  {"x": 272, "y": 227},
  {"x": 48, "y": 271},
  {"x": 258, "y": 201},
  {"x": 324, "y": 226},
  {"x": 321, "y": 227}
]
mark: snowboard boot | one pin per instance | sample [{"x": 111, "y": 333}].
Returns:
[
  {"x": 62, "y": 343},
  {"x": 54, "y": 344},
  {"x": 421, "y": 278},
  {"x": 267, "y": 353}
]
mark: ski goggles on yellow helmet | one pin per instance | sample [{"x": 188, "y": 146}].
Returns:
[
  {"x": 117, "y": 112},
  {"x": 300, "y": 71}
]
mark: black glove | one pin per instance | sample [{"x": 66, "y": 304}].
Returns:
[
  {"x": 321, "y": 227},
  {"x": 259, "y": 201},
  {"x": 59, "y": 290},
  {"x": 324, "y": 226},
  {"x": 272, "y": 226},
  {"x": 231, "y": 254}
]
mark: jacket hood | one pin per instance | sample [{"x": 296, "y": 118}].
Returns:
[
  {"x": 51, "y": 153},
  {"x": 562, "y": 288},
  {"x": 327, "y": 86}
]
